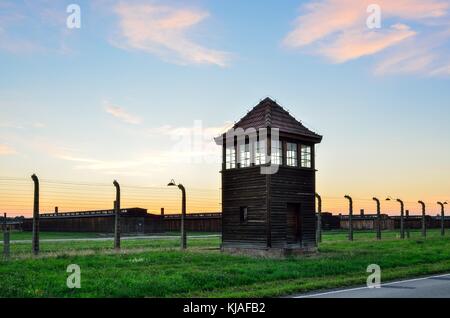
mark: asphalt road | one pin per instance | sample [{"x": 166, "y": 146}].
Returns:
[
  {"x": 437, "y": 286},
  {"x": 149, "y": 237}
]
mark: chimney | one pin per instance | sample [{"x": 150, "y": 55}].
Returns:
[
  {"x": 162, "y": 212},
  {"x": 56, "y": 210},
  {"x": 362, "y": 212}
]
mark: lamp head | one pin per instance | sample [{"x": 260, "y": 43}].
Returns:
[{"x": 171, "y": 183}]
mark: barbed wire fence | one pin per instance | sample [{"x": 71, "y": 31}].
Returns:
[{"x": 16, "y": 199}]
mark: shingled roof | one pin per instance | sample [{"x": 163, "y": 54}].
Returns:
[{"x": 269, "y": 114}]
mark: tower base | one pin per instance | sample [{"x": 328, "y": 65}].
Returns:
[{"x": 270, "y": 252}]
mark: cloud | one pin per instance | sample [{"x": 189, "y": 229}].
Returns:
[
  {"x": 162, "y": 30},
  {"x": 355, "y": 44},
  {"x": 123, "y": 115},
  {"x": 336, "y": 30},
  {"x": 6, "y": 150}
]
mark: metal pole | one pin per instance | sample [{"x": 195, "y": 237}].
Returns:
[
  {"x": 36, "y": 215},
  {"x": 117, "y": 217},
  {"x": 350, "y": 217},
  {"x": 319, "y": 219},
  {"x": 402, "y": 219},
  {"x": 424, "y": 225},
  {"x": 183, "y": 216},
  {"x": 378, "y": 218}
]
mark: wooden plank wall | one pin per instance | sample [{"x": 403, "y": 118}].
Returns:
[
  {"x": 293, "y": 185},
  {"x": 244, "y": 187}
]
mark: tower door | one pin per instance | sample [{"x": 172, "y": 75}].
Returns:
[{"x": 294, "y": 224}]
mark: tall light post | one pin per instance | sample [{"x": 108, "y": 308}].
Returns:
[
  {"x": 183, "y": 211},
  {"x": 319, "y": 219},
  {"x": 402, "y": 216},
  {"x": 378, "y": 217},
  {"x": 350, "y": 217},
  {"x": 442, "y": 217},
  {"x": 424, "y": 226}
]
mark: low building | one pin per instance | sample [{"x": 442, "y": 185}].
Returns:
[
  {"x": 367, "y": 222},
  {"x": 132, "y": 221},
  {"x": 194, "y": 222}
]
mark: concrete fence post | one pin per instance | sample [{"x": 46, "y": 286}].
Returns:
[
  {"x": 117, "y": 217},
  {"x": 183, "y": 217},
  {"x": 36, "y": 215},
  {"x": 407, "y": 223},
  {"x": 350, "y": 217},
  {"x": 424, "y": 224},
  {"x": 319, "y": 219},
  {"x": 402, "y": 219},
  {"x": 442, "y": 217},
  {"x": 6, "y": 237},
  {"x": 378, "y": 218}
]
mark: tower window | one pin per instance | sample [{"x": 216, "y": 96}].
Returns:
[
  {"x": 244, "y": 155},
  {"x": 276, "y": 152},
  {"x": 306, "y": 156},
  {"x": 260, "y": 152},
  {"x": 230, "y": 158},
  {"x": 291, "y": 154},
  {"x": 243, "y": 214}
]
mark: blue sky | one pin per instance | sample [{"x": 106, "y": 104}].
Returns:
[{"x": 114, "y": 98}]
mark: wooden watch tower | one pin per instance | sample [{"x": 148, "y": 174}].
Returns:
[{"x": 268, "y": 213}]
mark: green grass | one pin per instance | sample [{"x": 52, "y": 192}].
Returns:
[
  {"x": 156, "y": 268},
  {"x": 19, "y": 235}
]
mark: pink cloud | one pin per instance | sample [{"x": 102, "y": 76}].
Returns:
[
  {"x": 163, "y": 30},
  {"x": 122, "y": 114},
  {"x": 355, "y": 43},
  {"x": 6, "y": 150},
  {"x": 336, "y": 29}
]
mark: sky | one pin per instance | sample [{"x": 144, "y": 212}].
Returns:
[{"x": 140, "y": 89}]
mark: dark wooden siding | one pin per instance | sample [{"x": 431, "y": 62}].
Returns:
[
  {"x": 293, "y": 185},
  {"x": 98, "y": 224},
  {"x": 199, "y": 222},
  {"x": 244, "y": 187}
]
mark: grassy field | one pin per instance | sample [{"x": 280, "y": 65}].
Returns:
[
  {"x": 19, "y": 235},
  {"x": 156, "y": 268}
]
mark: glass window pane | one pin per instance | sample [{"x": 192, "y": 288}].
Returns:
[
  {"x": 230, "y": 158},
  {"x": 276, "y": 152},
  {"x": 305, "y": 156},
  {"x": 291, "y": 154}
]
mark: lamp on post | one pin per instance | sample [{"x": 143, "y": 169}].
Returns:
[
  {"x": 183, "y": 211},
  {"x": 442, "y": 217},
  {"x": 402, "y": 216}
]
